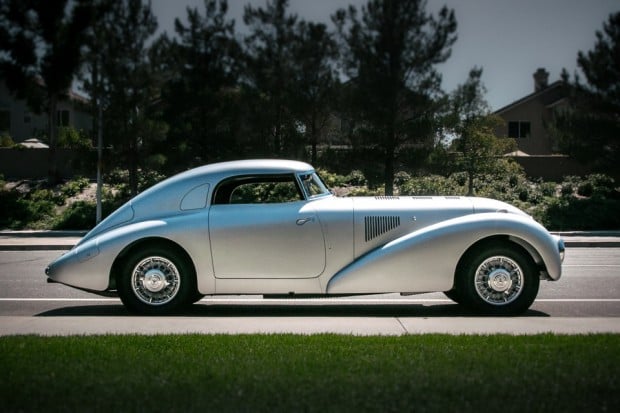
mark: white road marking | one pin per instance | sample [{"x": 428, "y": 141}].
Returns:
[
  {"x": 591, "y": 265},
  {"x": 314, "y": 300}
]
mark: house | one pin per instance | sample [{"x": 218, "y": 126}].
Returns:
[
  {"x": 29, "y": 129},
  {"x": 21, "y": 124},
  {"x": 527, "y": 119}
]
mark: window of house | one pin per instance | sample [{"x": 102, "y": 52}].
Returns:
[
  {"x": 5, "y": 120},
  {"x": 62, "y": 118},
  {"x": 519, "y": 129}
]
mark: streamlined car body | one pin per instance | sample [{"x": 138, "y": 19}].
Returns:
[{"x": 271, "y": 227}]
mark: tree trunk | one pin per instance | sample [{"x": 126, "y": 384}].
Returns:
[
  {"x": 390, "y": 149},
  {"x": 313, "y": 138},
  {"x": 389, "y": 173},
  {"x": 133, "y": 165}
]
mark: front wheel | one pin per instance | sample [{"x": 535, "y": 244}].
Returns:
[
  {"x": 156, "y": 281},
  {"x": 498, "y": 280}
]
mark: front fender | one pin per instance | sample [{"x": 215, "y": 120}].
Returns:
[{"x": 426, "y": 260}]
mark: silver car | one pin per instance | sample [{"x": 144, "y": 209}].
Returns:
[{"x": 271, "y": 227}]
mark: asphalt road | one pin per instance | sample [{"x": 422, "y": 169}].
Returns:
[{"x": 586, "y": 299}]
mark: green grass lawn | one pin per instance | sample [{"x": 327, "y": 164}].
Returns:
[{"x": 322, "y": 373}]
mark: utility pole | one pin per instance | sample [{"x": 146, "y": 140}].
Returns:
[{"x": 99, "y": 158}]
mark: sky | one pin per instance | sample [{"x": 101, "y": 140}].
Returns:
[{"x": 509, "y": 39}]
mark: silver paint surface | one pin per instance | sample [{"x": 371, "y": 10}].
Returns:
[{"x": 320, "y": 245}]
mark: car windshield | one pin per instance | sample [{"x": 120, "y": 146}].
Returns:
[{"x": 313, "y": 186}]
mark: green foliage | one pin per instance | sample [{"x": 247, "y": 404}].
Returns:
[
  {"x": 74, "y": 187},
  {"x": 6, "y": 141},
  {"x": 202, "y": 105},
  {"x": 81, "y": 215},
  {"x": 557, "y": 206},
  {"x": 41, "y": 44},
  {"x": 330, "y": 179},
  {"x": 431, "y": 185},
  {"x": 582, "y": 214},
  {"x": 479, "y": 151},
  {"x": 356, "y": 178},
  {"x": 589, "y": 127},
  {"x": 119, "y": 178},
  {"x": 71, "y": 138},
  {"x": 19, "y": 211},
  {"x": 263, "y": 192},
  {"x": 391, "y": 49}
]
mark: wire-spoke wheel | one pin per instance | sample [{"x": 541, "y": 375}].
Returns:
[
  {"x": 156, "y": 281},
  {"x": 498, "y": 279}
]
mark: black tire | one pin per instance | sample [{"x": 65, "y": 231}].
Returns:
[
  {"x": 156, "y": 281},
  {"x": 498, "y": 279},
  {"x": 454, "y": 295}
]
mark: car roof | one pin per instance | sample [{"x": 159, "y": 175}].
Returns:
[
  {"x": 254, "y": 166},
  {"x": 223, "y": 170}
]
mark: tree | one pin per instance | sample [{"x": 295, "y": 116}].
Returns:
[
  {"x": 123, "y": 83},
  {"x": 470, "y": 121},
  {"x": 40, "y": 49},
  {"x": 268, "y": 75},
  {"x": 390, "y": 54},
  {"x": 589, "y": 129},
  {"x": 315, "y": 79},
  {"x": 200, "y": 88}
]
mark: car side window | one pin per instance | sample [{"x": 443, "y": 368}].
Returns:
[{"x": 258, "y": 190}]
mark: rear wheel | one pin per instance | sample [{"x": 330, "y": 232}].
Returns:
[
  {"x": 498, "y": 279},
  {"x": 156, "y": 280}
]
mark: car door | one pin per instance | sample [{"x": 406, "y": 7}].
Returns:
[{"x": 266, "y": 239}]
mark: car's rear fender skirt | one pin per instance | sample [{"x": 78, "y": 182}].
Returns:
[
  {"x": 179, "y": 233},
  {"x": 426, "y": 260},
  {"x": 92, "y": 265}
]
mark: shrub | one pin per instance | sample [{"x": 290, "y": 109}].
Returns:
[
  {"x": 602, "y": 185},
  {"x": 330, "y": 179},
  {"x": 69, "y": 137},
  {"x": 46, "y": 195},
  {"x": 79, "y": 215},
  {"x": 401, "y": 178},
  {"x": 581, "y": 214},
  {"x": 566, "y": 189},
  {"x": 6, "y": 141},
  {"x": 585, "y": 189},
  {"x": 431, "y": 185},
  {"x": 74, "y": 186},
  {"x": 356, "y": 178},
  {"x": 548, "y": 189}
]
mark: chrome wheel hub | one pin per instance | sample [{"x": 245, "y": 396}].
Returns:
[
  {"x": 155, "y": 280},
  {"x": 499, "y": 280}
]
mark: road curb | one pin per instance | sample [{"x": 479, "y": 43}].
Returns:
[{"x": 362, "y": 326}]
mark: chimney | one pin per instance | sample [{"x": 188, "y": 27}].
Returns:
[{"x": 541, "y": 79}]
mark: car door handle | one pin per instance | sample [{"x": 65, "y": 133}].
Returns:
[{"x": 302, "y": 221}]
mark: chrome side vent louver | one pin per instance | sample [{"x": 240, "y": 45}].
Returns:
[
  {"x": 386, "y": 198},
  {"x": 377, "y": 226}
]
